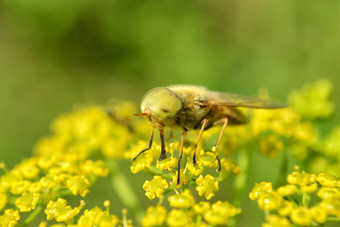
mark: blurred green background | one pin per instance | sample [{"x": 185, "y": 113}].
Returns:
[{"x": 55, "y": 54}]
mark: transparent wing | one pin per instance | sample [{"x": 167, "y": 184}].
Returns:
[{"x": 236, "y": 100}]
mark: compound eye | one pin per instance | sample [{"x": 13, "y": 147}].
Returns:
[{"x": 162, "y": 102}]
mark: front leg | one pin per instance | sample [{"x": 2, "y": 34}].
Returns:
[
  {"x": 180, "y": 158},
  {"x": 204, "y": 122},
  {"x": 225, "y": 123},
  {"x": 163, "y": 152},
  {"x": 150, "y": 145}
]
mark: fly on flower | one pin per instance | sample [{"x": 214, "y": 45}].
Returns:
[{"x": 187, "y": 107}]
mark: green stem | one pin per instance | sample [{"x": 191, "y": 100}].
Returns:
[
  {"x": 152, "y": 170},
  {"x": 281, "y": 180},
  {"x": 124, "y": 190},
  {"x": 33, "y": 215},
  {"x": 305, "y": 199},
  {"x": 240, "y": 182},
  {"x": 333, "y": 219},
  {"x": 65, "y": 193}
]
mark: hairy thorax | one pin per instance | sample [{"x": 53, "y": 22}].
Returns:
[{"x": 191, "y": 114}]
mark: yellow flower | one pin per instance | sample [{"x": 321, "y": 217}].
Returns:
[
  {"x": 10, "y": 178},
  {"x": 155, "y": 187},
  {"x": 78, "y": 185},
  {"x": 286, "y": 208},
  {"x": 259, "y": 189},
  {"x": 196, "y": 169},
  {"x": 34, "y": 187},
  {"x": 269, "y": 201},
  {"x": 177, "y": 218},
  {"x": 201, "y": 207},
  {"x": 139, "y": 146},
  {"x": 28, "y": 168},
  {"x": 220, "y": 213},
  {"x": 309, "y": 188},
  {"x": 301, "y": 216},
  {"x": 313, "y": 100},
  {"x": 331, "y": 207},
  {"x": 167, "y": 163},
  {"x": 97, "y": 217},
  {"x": 207, "y": 158},
  {"x": 305, "y": 132},
  {"x": 18, "y": 187},
  {"x": 234, "y": 138},
  {"x": 328, "y": 180},
  {"x": 107, "y": 204},
  {"x": 207, "y": 186},
  {"x": 112, "y": 147},
  {"x": 230, "y": 167},
  {"x": 331, "y": 144},
  {"x": 43, "y": 224},
  {"x": 287, "y": 190},
  {"x": 184, "y": 178},
  {"x": 331, "y": 194},
  {"x": 301, "y": 178},
  {"x": 50, "y": 181},
  {"x": 2, "y": 165},
  {"x": 270, "y": 146},
  {"x": 276, "y": 221},
  {"x": 184, "y": 200},
  {"x": 155, "y": 216},
  {"x": 60, "y": 211},
  {"x": 279, "y": 121},
  {"x": 318, "y": 214},
  {"x": 27, "y": 201},
  {"x": 96, "y": 168},
  {"x": 9, "y": 218},
  {"x": 106, "y": 219},
  {"x": 3, "y": 200},
  {"x": 142, "y": 162},
  {"x": 216, "y": 218},
  {"x": 46, "y": 161}
]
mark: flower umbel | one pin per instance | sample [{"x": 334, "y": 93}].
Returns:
[
  {"x": 155, "y": 187},
  {"x": 291, "y": 203},
  {"x": 207, "y": 186},
  {"x": 155, "y": 216},
  {"x": 59, "y": 210}
]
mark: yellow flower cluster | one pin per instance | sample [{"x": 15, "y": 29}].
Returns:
[
  {"x": 291, "y": 204},
  {"x": 272, "y": 131},
  {"x": 68, "y": 163},
  {"x": 59, "y": 211},
  {"x": 85, "y": 144},
  {"x": 65, "y": 163},
  {"x": 90, "y": 218},
  {"x": 312, "y": 101},
  {"x": 186, "y": 212}
]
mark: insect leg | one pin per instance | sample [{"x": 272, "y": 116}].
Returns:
[
  {"x": 225, "y": 122},
  {"x": 163, "y": 154},
  {"x": 180, "y": 158},
  {"x": 204, "y": 122},
  {"x": 150, "y": 144}
]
